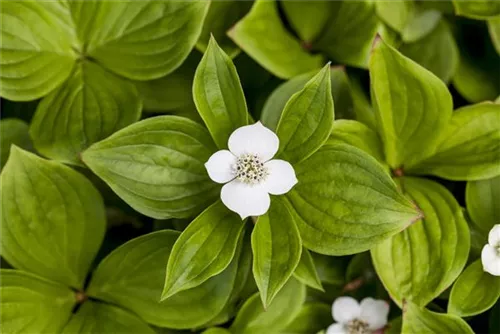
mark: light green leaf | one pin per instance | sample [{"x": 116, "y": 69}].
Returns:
[
  {"x": 482, "y": 198},
  {"x": 122, "y": 35},
  {"x": 306, "y": 271},
  {"x": 204, "y": 249},
  {"x": 13, "y": 131},
  {"x": 350, "y": 206},
  {"x": 422, "y": 321},
  {"x": 437, "y": 52},
  {"x": 53, "y": 218},
  {"x": 262, "y": 35},
  {"x": 95, "y": 317},
  {"x": 156, "y": 166},
  {"x": 312, "y": 318},
  {"x": 254, "y": 319},
  {"x": 350, "y": 31},
  {"x": 91, "y": 105},
  {"x": 308, "y": 20},
  {"x": 474, "y": 292},
  {"x": 218, "y": 94},
  {"x": 476, "y": 77},
  {"x": 396, "y": 14},
  {"x": 132, "y": 276},
  {"x": 307, "y": 119},
  {"x": 359, "y": 135},
  {"x": 412, "y": 105},
  {"x": 494, "y": 29},
  {"x": 420, "y": 24},
  {"x": 173, "y": 92},
  {"x": 36, "y": 52},
  {"x": 469, "y": 147},
  {"x": 341, "y": 93},
  {"x": 221, "y": 16},
  {"x": 216, "y": 330},
  {"x": 31, "y": 304},
  {"x": 422, "y": 261},
  {"x": 276, "y": 248},
  {"x": 477, "y": 9}
]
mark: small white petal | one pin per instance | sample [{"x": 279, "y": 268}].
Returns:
[
  {"x": 281, "y": 177},
  {"x": 246, "y": 200},
  {"x": 374, "y": 313},
  {"x": 254, "y": 139},
  {"x": 490, "y": 260},
  {"x": 494, "y": 235},
  {"x": 219, "y": 166},
  {"x": 336, "y": 329},
  {"x": 345, "y": 309}
]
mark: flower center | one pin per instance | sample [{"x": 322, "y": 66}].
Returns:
[
  {"x": 357, "y": 327},
  {"x": 250, "y": 169}
]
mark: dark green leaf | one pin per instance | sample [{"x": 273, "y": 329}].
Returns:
[
  {"x": 156, "y": 166},
  {"x": 350, "y": 205},
  {"x": 276, "y": 249},
  {"x": 31, "y": 304},
  {"x": 95, "y": 317},
  {"x": 424, "y": 260},
  {"x": 308, "y": 20},
  {"x": 91, "y": 105},
  {"x": 218, "y": 94},
  {"x": 204, "y": 249},
  {"x": 312, "y": 318},
  {"x": 482, "y": 198},
  {"x": 307, "y": 119},
  {"x": 53, "y": 218}
]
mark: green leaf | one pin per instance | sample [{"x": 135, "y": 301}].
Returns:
[
  {"x": 358, "y": 135},
  {"x": 204, "y": 249},
  {"x": 121, "y": 35},
  {"x": 469, "y": 147},
  {"x": 13, "y": 131},
  {"x": 276, "y": 249},
  {"x": 412, "y": 106},
  {"x": 396, "y": 14},
  {"x": 31, "y": 304},
  {"x": 312, "y": 318},
  {"x": 482, "y": 198},
  {"x": 423, "y": 321},
  {"x": 307, "y": 118},
  {"x": 420, "y": 24},
  {"x": 36, "y": 51},
  {"x": 424, "y": 260},
  {"x": 331, "y": 269},
  {"x": 218, "y": 94},
  {"x": 474, "y": 292},
  {"x": 132, "y": 276},
  {"x": 216, "y": 330},
  {"x": 341, "y": 93},
  {"x": 306, "y": 271},
  {"x": 254, "y": 319},
  {"x": 478, "y": 9},
  {"x": 350, "y": 31},
  {"x": 476, "y": 77},
  {"x": 96, "y": 317},
  {"x": 156, "y": 166},
  {"x": 437, "y": 52},
  {"x": 350, "y": 206},
  {"x": 53, "y": 218},
  {"x": 262, "y": 35},
  {"x": 91, "y": 105},
  {"x": 307, "y": 20},
  {"x": 221, "y": 16},
  {"x": 494, "y": 29}
]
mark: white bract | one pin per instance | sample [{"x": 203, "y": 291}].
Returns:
[
  {"x": 248, "y": 171},
  {"x": 490, "y": 256},
  {"x": 358, "y": 318}
]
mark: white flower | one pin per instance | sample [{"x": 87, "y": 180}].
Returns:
[
  {"x": 248, "y": 171},
  {"x": 490, "y": 256},
  {"x": 358, "y": 318}
]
